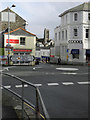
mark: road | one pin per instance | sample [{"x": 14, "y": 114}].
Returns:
[{"x": 64, "y": 91}]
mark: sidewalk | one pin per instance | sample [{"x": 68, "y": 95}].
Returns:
[{"x": 12, "y": 110}]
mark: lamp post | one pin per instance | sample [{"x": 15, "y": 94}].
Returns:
[{"x": 9, "y": 30}]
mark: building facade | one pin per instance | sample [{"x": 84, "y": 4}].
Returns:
[
  {"x": 22, "y": 46},
  {"x": 16, "y": 21},
  {"x": 72, "y": 37}
]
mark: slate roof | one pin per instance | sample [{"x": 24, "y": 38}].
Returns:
[
  {"x": 21, "y": 31},
  {"x": 82, "y": 7}
]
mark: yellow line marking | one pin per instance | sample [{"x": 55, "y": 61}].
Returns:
[{"x": 34, "y": 110}]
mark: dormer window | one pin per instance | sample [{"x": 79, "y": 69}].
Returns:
[{"x": 75, "y": 17}]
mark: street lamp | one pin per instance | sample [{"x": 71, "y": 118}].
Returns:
[{"x": 9, "y": 30}]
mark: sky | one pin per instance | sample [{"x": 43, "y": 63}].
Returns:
[{"x": 40, "y": 14}]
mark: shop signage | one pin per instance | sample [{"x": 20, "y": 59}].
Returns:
[
  {"x": 22, "y": 50},
  {"x": 14, "y": 41}
]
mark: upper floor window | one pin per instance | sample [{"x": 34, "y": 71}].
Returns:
[
  {"x": 55, "y": 36},
  {"x": 66, "y": 34},
  {"x": 75, "y": 32},
  {"x": 75, "y": 17},
  {"x": 87, "y": 33},
  {"x": 22, "y": 40},
  {"x": 59, "y": 35},
  {"x": 62, "y": 34},
  {"x": 89, "y": 16}
]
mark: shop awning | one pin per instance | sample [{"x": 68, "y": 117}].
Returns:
[
  {"x": 45, "y": 57},
  {"x": 88, "y": 51},
  {"x": 75, "y": 51}
]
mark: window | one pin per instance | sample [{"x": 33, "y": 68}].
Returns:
[
  {"x": 62, "y": 35},
  {"x": 66, "y": 34},
  {"x": 89, "y": 16},
  {"x": 75, "y": 32},
  {"x": 75, "y": 17},
  {"x": 75, "y": 56},
  {"x": 87, "y": 33},
  {"x": 21, "y": 53},
  {"x": 59, "y": 36},
  {"x": 55, "y": 36},
  {"x": 15, "y": 53},
  {"x": 22, "y": 40}
]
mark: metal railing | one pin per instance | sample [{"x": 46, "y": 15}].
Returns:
[{"x": 38, "y": 97}]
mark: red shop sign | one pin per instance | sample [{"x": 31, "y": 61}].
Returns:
[
  {"x": 22, "y": 50},
  {"x": 14, "y": 41}
]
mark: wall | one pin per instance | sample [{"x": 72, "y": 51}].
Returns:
[{"x": 30, "y": 43}]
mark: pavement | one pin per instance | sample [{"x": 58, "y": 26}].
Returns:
[{"x": 12, "y": 108}]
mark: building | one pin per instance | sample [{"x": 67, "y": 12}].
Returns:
[
  {"x": 22, "y": 43},
  {"x": 72, "y": 37},
  {"x": 43, "y": 46},
  {"x": 22, "y": 46},
  {"x": 46, "y": 35},
  {"x": 16, "y": 21}
]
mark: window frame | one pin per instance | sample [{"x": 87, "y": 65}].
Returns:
[
  {"x": 87, "y": 33},
  {"x": 89, "y": 16},
  {"x": 22, "y": 40},
  {"x": 75, "y": 32},
  {"x": 75, "y": 16}
]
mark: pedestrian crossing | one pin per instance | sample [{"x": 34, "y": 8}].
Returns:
[{"x": 51, "y": 84}]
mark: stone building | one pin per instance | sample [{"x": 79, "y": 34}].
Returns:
[{"x": 15, "y": 20}]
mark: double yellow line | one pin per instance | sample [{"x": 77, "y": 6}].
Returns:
[{"x": 34, "y": 110}]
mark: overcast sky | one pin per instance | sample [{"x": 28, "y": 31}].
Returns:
[{"x": 40, "y": 15}]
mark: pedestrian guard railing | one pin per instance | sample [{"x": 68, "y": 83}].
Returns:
[{"x": 39, "y": 100}]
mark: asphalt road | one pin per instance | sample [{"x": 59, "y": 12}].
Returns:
[{"x": 64, "y": 91}]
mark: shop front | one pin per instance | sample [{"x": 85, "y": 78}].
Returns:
[{"x": 87, "y": 55}]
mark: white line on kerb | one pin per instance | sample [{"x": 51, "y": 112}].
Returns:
[
  {"x": 53, "y": 84},
  {"x": 67, "y": 83},
  {"x": 18, "y": 86},
  {"x": 83, "y": 83}
]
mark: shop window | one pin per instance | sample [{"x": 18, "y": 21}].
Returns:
[
  {"x": 75, "y": 56},
  {"x": 15, "y": 53},
  {"x": 21, "y": 53},
  {"x": 22, "y": 40},
  {"x": 27, "y": 53}
]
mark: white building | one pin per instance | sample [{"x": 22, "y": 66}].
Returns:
[{"x": 72, "y": 37}]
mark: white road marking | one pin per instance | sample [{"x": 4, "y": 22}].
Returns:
[
  {"x": 38, "y": 85},
  {"x": 36, "y": 68},
  {"x": 67, "y": 83},
  {"x": 82, "y": 83},
  {"x": 19, "y": 86},
  {"x": 69, "y": 73},
  {"x": 67, "y": 69},
  {"x": 7, "y": 86},
  {"x": 52, "y": 84}
]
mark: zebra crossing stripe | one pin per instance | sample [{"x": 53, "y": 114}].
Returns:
[
  {"x": 51, "y": 84},
  {"x": 67, "y": 83},
  {"x": 84, "y": 83}
]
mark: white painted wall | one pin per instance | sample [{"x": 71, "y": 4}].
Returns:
[{"x": 62, "y": 45}]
